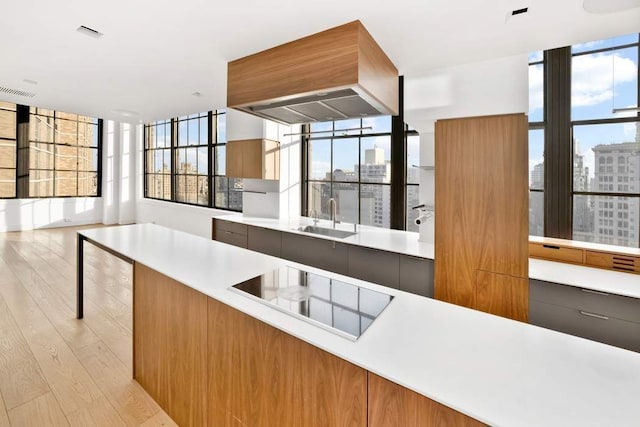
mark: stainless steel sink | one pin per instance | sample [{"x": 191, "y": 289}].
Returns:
[{"x": 331, "y": 232}]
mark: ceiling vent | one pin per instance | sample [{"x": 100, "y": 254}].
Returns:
[
  {"x": 89, "y": 32},
  {"x": 336, "y": 74},
  {"x": 17, "y": 92}
]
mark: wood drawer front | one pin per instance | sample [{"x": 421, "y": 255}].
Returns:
[
  {"x": 584, "y": 324},
  {"x": 626, "y": 263},
  {"x": 610, "y": 305},
  {"x": 233, "y": 227},
  {"x": 556, "y": 253}
]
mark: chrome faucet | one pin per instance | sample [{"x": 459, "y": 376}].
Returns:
[
  {"x": 314, "y": 215},
  {"x": 333, "y": 212}
]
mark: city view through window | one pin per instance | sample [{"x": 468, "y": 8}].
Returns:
[
  {"x": 605, "y": 144},
  {"x": 354, "y": 168}
]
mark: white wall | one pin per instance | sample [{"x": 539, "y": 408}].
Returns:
[{"x": 498, "y": 86}]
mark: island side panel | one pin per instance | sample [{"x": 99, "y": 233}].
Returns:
[
  {"x": 259, "y": 375},
  {"x": 391, "y": 405},
  {"x": 170, "y": 333}
]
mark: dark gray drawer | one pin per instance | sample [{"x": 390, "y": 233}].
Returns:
[
  {"x": 610, "y": 305},
  {"x": 582, "y": 323},
  {"x": 374, "y": 266},
  {"x": 416, "y": 275},
  {"x": 264, "y": 240},
  {"x": 231, "y": 238},
  {"x": 233, "y": 227},
  {"x": 320, "y": 253}
]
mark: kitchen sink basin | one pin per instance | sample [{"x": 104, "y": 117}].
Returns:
[{"x": 331, "y": 232}]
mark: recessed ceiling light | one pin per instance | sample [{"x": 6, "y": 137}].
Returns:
[
  {"x": 31, "y": 82},
  {"x": 89, "y": 32},
  {"x": 197, "y": 94},
  {"x": 609, "y": 6}
]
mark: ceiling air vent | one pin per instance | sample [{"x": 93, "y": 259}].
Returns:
[
  {"x": 519, "y": 11},
  {"x": 89, "y": 32},
  {"x": 17, "y": 92}
]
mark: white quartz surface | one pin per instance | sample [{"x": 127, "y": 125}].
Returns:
[
  {"x": 597, "y": 279},
  {"x": 501, "y": 372},
  {"x": 404, "y": 242}
]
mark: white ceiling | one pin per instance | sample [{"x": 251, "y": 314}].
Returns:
[{"x": 155, "y": 54}]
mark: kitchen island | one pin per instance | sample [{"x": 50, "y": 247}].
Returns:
[{"x": 468, "y": 364}]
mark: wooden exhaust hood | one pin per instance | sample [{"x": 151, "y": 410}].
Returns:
[{"x": 335, "y": 74}]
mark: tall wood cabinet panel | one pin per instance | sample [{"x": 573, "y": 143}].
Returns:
[
  {"x": 391, "y": 405},
  {"x": 260, "y": 376},
  {"x": 170, "y": 327},
  {"x": 481, "y": 204}
]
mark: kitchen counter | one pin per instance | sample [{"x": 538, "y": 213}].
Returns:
[
  {"x": 406, "y": 242},
  {"x": 498, "y": 371}
]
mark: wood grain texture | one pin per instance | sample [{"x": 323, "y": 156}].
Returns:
[
  {"x": 253, "y": 158},
  {"x": 170, "y": 332},
  {"x": 502, "y": 295},
  {"x": 98, "y": 413},
  {"x": 260, "y": 376},
  {"x": 42, "y": 411},
  {"x": 4, "y": 417},
  {"x": 556, "y": 253},
  {"x": 481, "y": 202},
  {"x": 376, "y": 73},
  {"x": 340, "y": 57},
  {"x": 320, "y": 61},
  {"x": 610, "y": 261},
  {"x": 391, "y": 405}
]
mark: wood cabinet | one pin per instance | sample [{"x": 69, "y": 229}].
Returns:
[
  {"x": 229, "y": 232},
  {"x": 375, "y": 266},
  {"x": 321, "y": 253},
  {"x": 391, "y": 405},
  {"x": 481, "y": 203},
  {"x": 253, "y": 158},
  {"x": 170, "y": 329},
  {"x": 262, "y": 376},
  {"x": 596, "y": 255}
]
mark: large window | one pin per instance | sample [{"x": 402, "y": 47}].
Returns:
[
  {"x": 60, "y": 155},
  {"x": 63, "y": 154},
  {"x": 603, "y": 135},
  {"x": 7, "y": 150},
  {"x": 185, "y": 157},
  {"x": 536, "y": 144},
  {"x": 350, "y": 161},
  {"x": 413, "y": 178}
]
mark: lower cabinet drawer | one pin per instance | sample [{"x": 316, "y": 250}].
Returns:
[
  {"x": 226, "y": 236},
  {"x": 610, "y": 305},
  {"x": 593, "y": 326},
  {"x": 556, "y": 253},
  {"x": 626, "y": 263},
  {"x": 233, "y": 227}
]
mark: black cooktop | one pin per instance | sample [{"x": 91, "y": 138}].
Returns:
[{"x": 340, "y": 307}]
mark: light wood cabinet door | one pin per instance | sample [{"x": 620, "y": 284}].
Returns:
[
  {"x": 170, "y": 332},
  {"x": 391, "y": 405},
  {"x": 253, "y": 158},
  {"x": 481, "y": 203},
  {"x": 260, "y": 376}
]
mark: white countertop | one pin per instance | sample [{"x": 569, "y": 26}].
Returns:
[
  {"x": 405, "y": 242},
  {"x": 498, "y": 371}
]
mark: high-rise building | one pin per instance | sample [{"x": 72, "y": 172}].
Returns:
[{"x": 617, "y": 170}]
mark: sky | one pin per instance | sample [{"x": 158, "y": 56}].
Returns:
[{"x": 600, "y": 82}]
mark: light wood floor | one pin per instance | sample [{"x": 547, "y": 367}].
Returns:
[{"x": 56, "y": 370}]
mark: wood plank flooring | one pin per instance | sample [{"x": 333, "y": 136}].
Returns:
[{"x": 56, "y": 370}]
